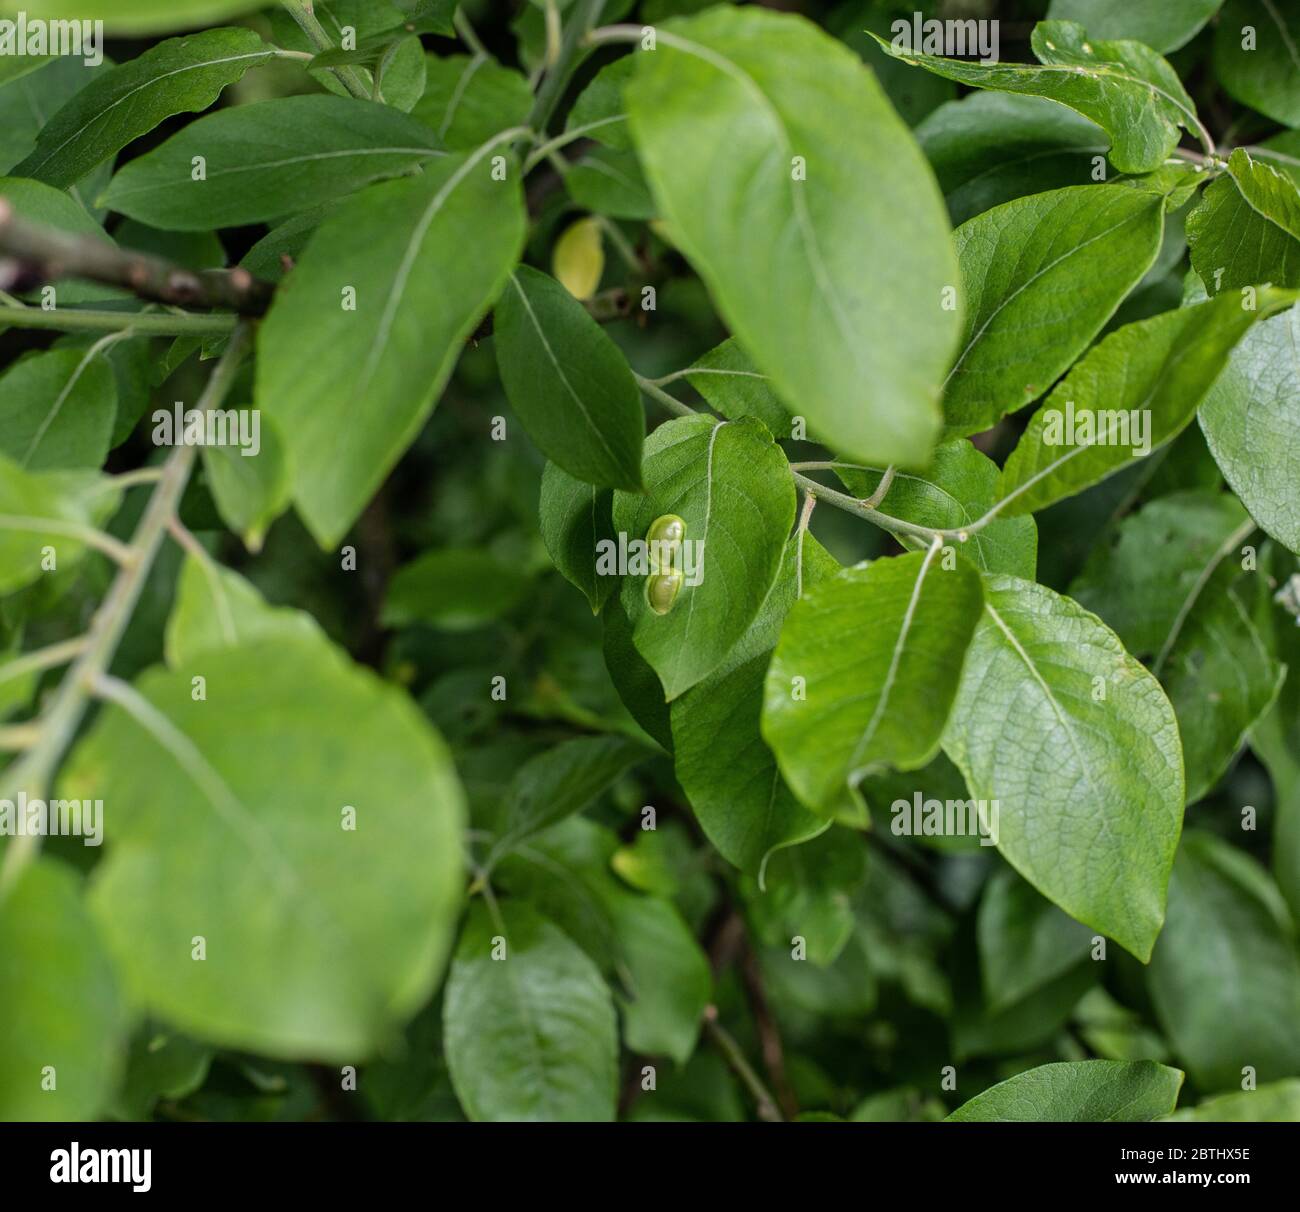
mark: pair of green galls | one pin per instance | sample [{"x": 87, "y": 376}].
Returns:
[{"x": 664, "y": 539}]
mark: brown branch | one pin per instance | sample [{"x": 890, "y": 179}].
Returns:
[{"x": 51, "y": 254}]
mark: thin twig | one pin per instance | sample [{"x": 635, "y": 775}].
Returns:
[
  {"x": 731, "y": 1053},
  {"x": 143, "y": 324},
  {"x": 318, "y": 36},
  {"x": 41, "y": 659}
]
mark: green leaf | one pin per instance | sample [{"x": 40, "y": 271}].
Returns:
[
  {"x": 468, "y": 99},
  {"x": 266, "y": 161},
  {"x": 142, "y": 16},
  {"x": 1225, "y": 978},
  {"x": 426, "y": 258},
  {"x": 855, "y": 340},
  {"x": 250, "y": 490},
  {"x": 531, "y": 1036},
  {"x": 179, "y": 76},
  {"x": 1132, "y": 393},
  {"x": 1094, "y": 1091},
  {"x": 637, "y": 684},
  {"x": 454, "y": 589},
  {"x": 1278, "y": 1102},
  {"x": 216, "y": 609},
  {"x": 599, "y": 111},
  {"x": 1040, "y": 277},
  {"x": 1267, "y": 75},
  {"x": 842, "y": 700},
  {"x": 670, "y": 982},
  {"x": 1250, "y": 417},
  {"x": 1025, "y": 942},
  {"x": 610, "y": 182},
  {"x": 726, "y": 769},
  {"x": 959, "y": 486},
  {"x": 728, "y": 379},
  {"x": 561, "y": 781},
  {"x": 1164, "y": 25},
  {"x": 731, "y": 485},
  {"x": 57, "y": 985},
  {"x": 223, "y": 803},
  {"x": 1079, "y": 747},
  {"x": 574, "y": 517},
  {"x": 569, "y": 383},
  {"x": 27, "y": 103},
  {"x": 1246, "y": 231},
  {"x": 990, "y": 148},
  {"x": 57, "y": 409},
  {"x": 160, "y": 1066},
  {"x": 46, "y": 509},
  {"x": 1124, "y": 87}
]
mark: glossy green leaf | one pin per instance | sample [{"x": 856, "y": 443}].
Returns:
[
  {"x": 1277, "y": 1102},
  {"x": 425, "y": 258},
  {"x": 860, "y": 355},
  {"x": 574, "y": 517},
  {"x": 726, "y": 769},
  {"x": 454, "y": 589},
  {"x": 610, "y": 182},
  {"x": 1266, "y": 74},
  {"x": 728, "y": 379},
  {"x": 1040, "y": 277},
  {"x": 1225, "y": 977},
  {"x": 1125, "y": 87},
  {"x": 1164, "y": 25},
  {"x": 61, "y": 1060},
  {"x": 250, "y": 490},
  {"x": 142, "y": 16},
  {"x": 266, "y": 161},
  {"x": 842, "y": 700},
  {"x": 222, "y": 803},
  {"x": 568, "y": 382},
  {"x": 599, "y": 112},
  {"x": 468, "y": 99},
  {"x": 532, "y": 1035},
  {"x": 57, "y": 409},
  {"x": 1246, "y": 231},
  {"x": 989, "y": 148},
  {"x": 1250, "y": 417},
  {"x": 29, "y": 102},
  {"x": 1079, "y": 746},
  {"x": 959, "y": 486},
  {"x": 1131, "y": 394},
  {"x": 181, "y": 75},
  {"x": 1078, "y": 1092},
  {"x": 731, "y": 484}
]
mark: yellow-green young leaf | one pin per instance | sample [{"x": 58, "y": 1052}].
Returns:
[
  {"x": 1124, "y": 87},
  {"x": 364, "y": 333},
  {"x": 468, "y": 99},
  {"x": 855, "y": 338},
  {"x": 989, "y": 148},
  {"x": 530, "y": 1031},
  {"x": 1078, "y": 745},
  {"x": 1246, "y": 231},
  {"x": 1132, "y": 393},
  {"x": 1278, "y": 1102},
  {"x": 1164, "y": 25},
  {"x": 266, "y": 161},
  {"x": 60, "y": 1061},
  {"x": 728, "y": 379},
  {"x": 139, "y": 16},
  {"x": 1040, "y": 277},
  {"x": 1094, "y": 1091},
  {"x": 865, "y": 671},
  {"x": 42, "y": 515},
  {"x": 252, "y": 489},
  {"x": 1263, "y": 73},
  {"x": 1250, "y": 418},
  {"x": 57, "y": 409},
  {"x": 216, "y": 608},
  {"x": 454, "y": 589},
  {"x": 726, "y": 769},
  {"x": 1225, "y": 978},
  {"x": 179, "y": 76},
  {"x": 238, "y": 892},
  {"x": 600, "y": 112},
  {"x": 731, "y": 485},
  {"x": 578, "y": 259},
  {"x": 959, "y": 486},
  {"x": 574, "y": 517},
  {"x": 568, "y": 382}
]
